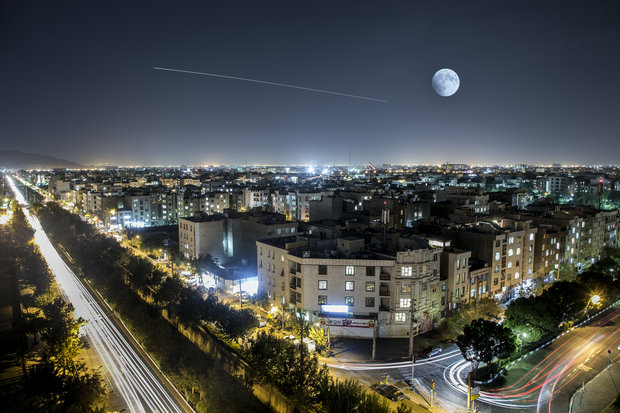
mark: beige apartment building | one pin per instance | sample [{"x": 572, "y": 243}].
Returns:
[{"x": 304, "y": 276}]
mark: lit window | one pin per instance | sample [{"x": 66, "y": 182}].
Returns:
[
  {"x": 497, "y": 256},
  {"x": 511, "y": 240},
  {"x": 349, "y": 300},
  {"x": 406, "y": 271},
  {"x": 370, "y": 286},
  {"x": 349, "y": 285},
  {"x": 510, "y": 252},
  {"x": 400, "y": 317},
  {"x": 322, "y": 299},
  {"x": 322, "y": 284},
  {"x": 349, "y": 270},
  {"x": 532, "y": 237},
  {"x": 405, "y": 302},
  {"x": 509, "y": 264}
]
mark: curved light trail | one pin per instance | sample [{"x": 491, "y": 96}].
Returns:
[
  {"x": 130, "y": 375},
  {"x": 584, "y": 350},
  {"x": 394, "y": 365}
]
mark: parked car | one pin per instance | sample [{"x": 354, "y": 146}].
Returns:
[
  {"x": 262, "y": 321},
  {"x": 390, "y": 391},
  {"x": 434, "y": 351},
  {"x": 429, "y": 352}
]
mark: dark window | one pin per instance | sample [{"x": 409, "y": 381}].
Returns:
[
  {"x": 370, "y": 271},
  {"x": 370, "y": 301},
  {"x": 322, "y": 269}
]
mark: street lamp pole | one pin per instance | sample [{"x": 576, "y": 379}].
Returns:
[
  {"x": 412, "y": 320},
  {"x": 374, "y": 339}
]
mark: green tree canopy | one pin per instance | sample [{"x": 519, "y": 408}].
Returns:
[{"x": 484, "y": 340}]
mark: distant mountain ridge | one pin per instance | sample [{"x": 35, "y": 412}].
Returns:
[{"x": 24, "y": 160}]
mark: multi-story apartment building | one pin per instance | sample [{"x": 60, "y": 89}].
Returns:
[
  {"x": 285, "y": 203},
  {"x": 454, "y": 271},
  {"x": 190, "y": 201},
  {"x": 230, "y": 236},
  {"x": 370, "y": 285},
  {"x": 303, "y": 204},
  {"x": 506, "y": 250},
  {"x": 201, "y": 235},
  {"x": 216, "y": 202},
  {"x": 557, "y": 184},
  {"x": 255, "y": 198},
  {"x": 168, "y": 205}
]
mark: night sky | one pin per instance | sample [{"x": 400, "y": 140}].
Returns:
[{"x": 539, "y": 81}]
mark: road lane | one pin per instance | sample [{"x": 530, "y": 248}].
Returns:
[{"x": 139, "y": 386}]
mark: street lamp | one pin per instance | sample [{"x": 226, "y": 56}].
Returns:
[
  {"x": 522, "y": 336},
  {"x": 596, "y": 299}
]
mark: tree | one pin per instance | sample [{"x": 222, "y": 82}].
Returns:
[
  {"x": 531, "y": 318},
  {"x": 61, "y": 332},
  {"x": 567, "y": 272},
  {"x": 20, "y": 229},
  {"x": 566, "y": 300},
  {"x": 602, "y": 285},
  {"x": 483, "y": 341},
  {"x": 319, "y": 336},
  {"x": 60, "y": 382},
  {"x": 284, "y": 364},
  {"x": 169, "y": 292},
  {"x": 486, "y": 308}
]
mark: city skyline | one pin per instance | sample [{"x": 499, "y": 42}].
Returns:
[{"x": 79, "y": 83}]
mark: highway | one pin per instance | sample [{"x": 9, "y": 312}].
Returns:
[{"x": 142, "y": 386}]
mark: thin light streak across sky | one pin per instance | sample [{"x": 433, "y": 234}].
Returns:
[{"x": 245, "y": 79}]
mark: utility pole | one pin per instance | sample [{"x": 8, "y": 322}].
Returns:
[
  {"x": 471, "y": 396},
  {"x": 301, "y": 349},
  {"x": 329, "y": 341},
  {"x": 283, "y": 314},
  {"x": 469, "y": 392},
  {"x": 412, "y": 320},
  {"x": 374, "y": 339}
]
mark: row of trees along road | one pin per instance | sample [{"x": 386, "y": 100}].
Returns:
[{"x": 54, "y": 380}]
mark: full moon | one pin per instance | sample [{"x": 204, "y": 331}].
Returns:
[{"x": 446, "y": 82}]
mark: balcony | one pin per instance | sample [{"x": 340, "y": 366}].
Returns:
[
  {"x": 384, "y": 276},
  {"x": 384, "y": 292}
]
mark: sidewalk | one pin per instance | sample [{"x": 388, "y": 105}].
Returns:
[{"x": 598, "y": 393}]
